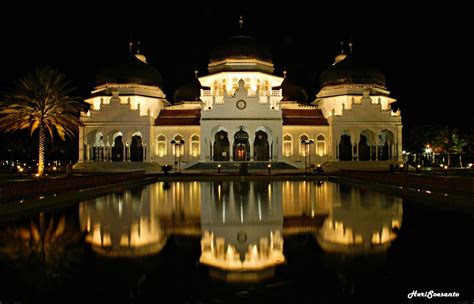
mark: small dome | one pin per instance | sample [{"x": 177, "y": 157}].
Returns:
[
  {"x": 292, "y": 92},
  {"x": 351, "y": 70},
  {"x": 241, "y": 47},
  {"x": 189, "y": 92},
  {"x": 132, "y": 70}
]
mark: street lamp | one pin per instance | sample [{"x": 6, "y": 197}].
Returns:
[
  {"x": 177, "y": 151},
  {"x": 307, "y": 142}
]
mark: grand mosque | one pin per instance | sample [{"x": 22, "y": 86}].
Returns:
[{"x": 241, "y": 111}]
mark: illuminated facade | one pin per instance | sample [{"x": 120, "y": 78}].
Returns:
[{"x": 241, "y": 111}]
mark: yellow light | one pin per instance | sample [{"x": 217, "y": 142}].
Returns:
[
  {"x": 269, "y": 165},
  {"x": 418, "y": 166},
  {"x": 401, "y": 166},
  {"x": 54, "y": 168},
  {"x": 446, "y": 167},
  {"x": 441, "y": 165}
]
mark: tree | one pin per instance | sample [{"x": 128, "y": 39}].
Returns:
[
  {"x": 40, "y": 101},
  {"x": 448, "y": 140}
]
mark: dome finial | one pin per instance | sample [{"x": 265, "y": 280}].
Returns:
[
  {"x": 130, "y": 45},
  {"x": 138, "y": 47},
  {"x": 340, "y": 57},
  {"x": 196, "y": 72},
  {"x": 241, "y": 22},
  {"x": 284, "y": 71}
]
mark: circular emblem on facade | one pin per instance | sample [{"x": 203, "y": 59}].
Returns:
[
  {"x": 241, "y": 104},
  {"x": 241, "y": 236}
]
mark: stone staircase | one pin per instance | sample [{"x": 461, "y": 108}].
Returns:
[
  {"x": 117, "y": 167},
  {"x": 254, "y": 165},
  {"x": 358, "y": 165}
]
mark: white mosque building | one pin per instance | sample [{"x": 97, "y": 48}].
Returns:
[{"x": 241, "y": 112}]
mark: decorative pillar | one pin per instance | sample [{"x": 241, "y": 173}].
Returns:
[
  {"x": 356, "y": 151},
  {"x": 231, "y": 148},
  {"x": 211, "y": 150},
  {"x": 251, "y": 141},
  {"x": 377, "y": 152},
  {"x": 124, "y": 149},
  {"x": 81, "y": 145},
  {"x": 144, "y": 152},
  {"x": 88, "y": 152}
]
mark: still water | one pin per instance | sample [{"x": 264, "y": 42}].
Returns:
[{"x": 235, "y": 242}]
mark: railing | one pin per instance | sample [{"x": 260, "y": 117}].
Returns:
[
  {"x": 33, "y": 188},
  {"x": 432, "y": 183}
]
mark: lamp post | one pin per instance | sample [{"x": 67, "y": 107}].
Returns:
[
  {"x": 307, "y": 142},
  {"x": 177, "y": 151}
]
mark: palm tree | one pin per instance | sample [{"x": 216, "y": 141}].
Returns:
[{"x": 41, "y": 101}]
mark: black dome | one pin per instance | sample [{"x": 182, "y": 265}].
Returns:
[
  {"x": 241, "y": 47},
  {"x": 351, "y": 70},
  {"x": 292, "y": 92},
  {"x": 189, "y": 92},
  {"x": 132, "y": 70}
]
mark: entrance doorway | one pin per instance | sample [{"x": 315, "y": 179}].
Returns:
[
  {"x": 261, "y": 148},
  {"x": 221, "y": 146},
  {"x": 136, "y": 149},
  {"x": 241, "y": 147}
]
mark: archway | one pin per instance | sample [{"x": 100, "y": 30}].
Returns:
[
  {"x": 345, "y": 147},
  {"x": 97, "y": 146},
  {"x": 117, "y": 148},
  {"x": 241, "y": 148},
  {"x": 261, "y": 148},
  {"x": 385, "y": 145},
  {"x": 136, "y": 149},
  {"x": 221, "y": 146},
  {"x": 365, "y": 145}
]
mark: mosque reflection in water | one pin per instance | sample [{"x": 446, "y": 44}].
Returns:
[{"x": 242, "y": 225}]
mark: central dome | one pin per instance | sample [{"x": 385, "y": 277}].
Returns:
[
  {"x": 130, "y": 71},
  {"x": 241, "y": 47},
  {"x": 351, "y": 70}
]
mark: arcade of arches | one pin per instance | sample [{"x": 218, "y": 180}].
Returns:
[
  {"x": 368, "y": 147},
  {"x": 242, "y": 148},
  {"x": 99, "y": 149}
]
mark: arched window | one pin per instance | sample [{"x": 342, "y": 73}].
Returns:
[
  {"x": 303, "y": 147},
  {"x": 161, "y": 145},
  {"x": 287, "y": 145},
  {"x": 266, "y": 87},
  {"x": 178, "y": 149},
  {"x": 320, "y": 145},
  {"x": 194, "y": 148},
  {"x": 216, "y": 88}
]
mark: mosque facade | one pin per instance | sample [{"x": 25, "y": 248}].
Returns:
[{"x": 241, "y": 111}]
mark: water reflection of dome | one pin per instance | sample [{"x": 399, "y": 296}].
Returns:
[
  {"x": 365, "y": 225},
  {"x": 242, "y": 238},
  {"x": 122, "y": 225}
]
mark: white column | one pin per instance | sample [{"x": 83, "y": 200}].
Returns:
[
  {"x": 81, "y": 145},
  {"x": 88, "y": 152},
  {"x": 251, "y": 141},
  {"x": 231, "y": 148},
  {"x": 145, "y": 153},
  {"x": 123, "y": 151}
]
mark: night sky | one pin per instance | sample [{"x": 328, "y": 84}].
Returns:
[{"x": 423, "y": 51}]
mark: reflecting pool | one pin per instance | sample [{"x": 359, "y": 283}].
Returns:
[{"x": 232, "y": 242}]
